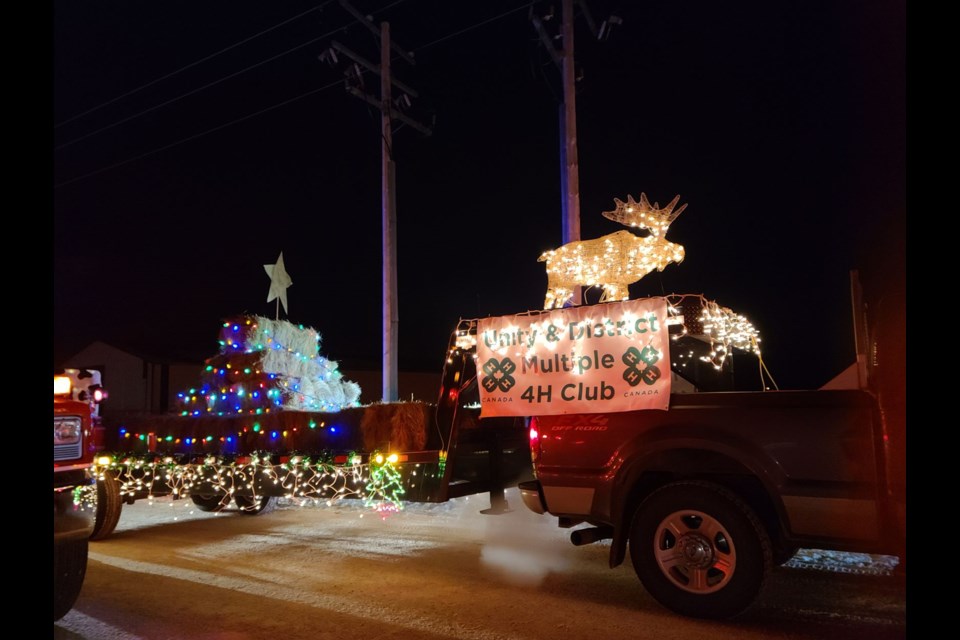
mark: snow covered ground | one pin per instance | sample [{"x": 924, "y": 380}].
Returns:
[
  {"x": 431, "y": 571},
  {"x": 840, "y": 562}
]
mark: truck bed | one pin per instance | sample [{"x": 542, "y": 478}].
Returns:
[{"x": 815, "y": 450}]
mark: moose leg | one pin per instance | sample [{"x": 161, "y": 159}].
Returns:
[
  {"x": 613, "y": 292},
  {"x": 556, "y": 297}
]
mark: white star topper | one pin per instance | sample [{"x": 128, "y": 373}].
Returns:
[{"x": 279, "y": 281}]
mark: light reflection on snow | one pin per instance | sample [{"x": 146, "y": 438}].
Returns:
[
  {"x": 342, "y": 603},
  {"x": 86, "y": 626}
]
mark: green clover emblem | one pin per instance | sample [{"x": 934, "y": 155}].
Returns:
[
  {"x": 641, "y": 366},
  {"x": 496, "y": 375}
]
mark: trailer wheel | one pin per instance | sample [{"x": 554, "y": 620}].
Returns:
[
  {"x": 69, "y": 568},
  {"x": 699, "y": 550},
  {"x": 109, "y": 505},
  {"x": 260, "y": 505},
  {"x": 211, "y": 503}
]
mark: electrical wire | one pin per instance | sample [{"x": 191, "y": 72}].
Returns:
[
  {"x": 238, "y": 120},
  {"x": 763, "y": 369},
  {"x": 473, "y": 26},
  {"x": 192, "y": 64},
  {"x": 215, "y": 82},
  {"x": 197, "y": 90},
  {"x": 195, "y": 136}
]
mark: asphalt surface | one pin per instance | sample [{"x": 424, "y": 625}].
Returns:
[{"x": 437, "y": 571}]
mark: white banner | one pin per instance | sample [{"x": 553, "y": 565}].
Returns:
[{"x": 594, "y": 359}]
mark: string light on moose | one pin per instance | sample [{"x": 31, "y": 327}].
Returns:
[{"x": 616, "y": 260}]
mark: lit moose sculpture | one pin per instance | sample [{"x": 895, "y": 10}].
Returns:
[{"x": 616, "y": 260}]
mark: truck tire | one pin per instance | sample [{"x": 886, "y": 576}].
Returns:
[
  {"x": 261, "y": 505},
  {"x": 699, "y": 550},
  {"x": 783, "y": 555},
  {"x": 210, "y": 503},
  {"x": 69, "y": 568},
  {"x": 109, "y": 505}
]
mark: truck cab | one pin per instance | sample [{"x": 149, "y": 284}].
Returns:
[{"x": 74, "y": 488}]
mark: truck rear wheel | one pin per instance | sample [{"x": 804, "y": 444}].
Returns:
[
  {"x": 211, "y": 503},
  {"x": 109, "y": 505},
  {"x": 699, "y": 550},
  {"x": 69, "y": 568},
  {"x": 260, "y": 505},
  {"x": 783, "y": 555}
]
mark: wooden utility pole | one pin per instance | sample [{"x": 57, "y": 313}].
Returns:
[
  {"x": 569, "y": 157},
  {"x": 569, "y": 161},
  {"x": 391, "y": 315},
  {"x": 570, "y": 180}
]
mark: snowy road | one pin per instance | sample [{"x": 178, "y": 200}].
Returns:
[{"x": 431, "y": 572}]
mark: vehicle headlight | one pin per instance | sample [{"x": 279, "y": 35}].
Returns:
[{"x": 67, "y": 431}]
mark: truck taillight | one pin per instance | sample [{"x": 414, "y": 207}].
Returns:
[{"x": 534, "y": 440}]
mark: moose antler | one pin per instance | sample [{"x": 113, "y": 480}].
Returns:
[{"x": 641, "y": 214}]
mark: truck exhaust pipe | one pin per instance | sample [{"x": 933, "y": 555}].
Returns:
[{"x": 590, "y": 535}]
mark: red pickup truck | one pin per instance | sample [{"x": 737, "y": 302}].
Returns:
[{"x": 712, "y": 492}]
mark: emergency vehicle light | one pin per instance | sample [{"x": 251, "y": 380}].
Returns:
[
  {"x": 94, "y": 392},
  {"x": 61, "y": 385}
]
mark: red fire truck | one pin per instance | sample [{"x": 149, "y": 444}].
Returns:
[{"x": 77, "y": 436}]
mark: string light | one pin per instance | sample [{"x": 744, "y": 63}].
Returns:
[
  {"x": 379, "y": 483},
  {"x": 616, "y": 260},
  {"x": 267, "y": 365},
  {"x": 85, "y": 497},
  {"x": 384, "y": 486},
  {"x": 720, "y": 327},
  {"x": 728, "y": 329}
]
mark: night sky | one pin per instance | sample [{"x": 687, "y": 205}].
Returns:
[{"x": 781, "y": 124}]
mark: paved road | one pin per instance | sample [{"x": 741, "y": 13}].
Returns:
[{"x": 431, "y": 572}]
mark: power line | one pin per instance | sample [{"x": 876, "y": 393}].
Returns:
[
  {"x": 215, "y": 82},
  {"x": 197, "y": 90},
  {"x": 474, "y": 26},
  {"x": 195, "y": 136},
  {"x": 192, "y": 64},
  {"x": 271, "y": 108}
]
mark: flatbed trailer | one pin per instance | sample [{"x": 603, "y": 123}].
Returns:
[{"x": 385, "y": 453}]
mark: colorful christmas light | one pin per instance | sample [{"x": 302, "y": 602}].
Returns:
[
  {"x": 268, "y": 365},
  {"x": 379, "y": 482}
]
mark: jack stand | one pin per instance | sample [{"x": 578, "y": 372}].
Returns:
[
  {"x": 498, "y": 504},
  {"x": 498, "y": 500}
]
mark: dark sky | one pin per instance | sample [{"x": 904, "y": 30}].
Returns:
[{"x": 781, "y": 124}]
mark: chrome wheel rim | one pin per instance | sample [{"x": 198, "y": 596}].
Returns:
[{"x": 694, "y": 551}]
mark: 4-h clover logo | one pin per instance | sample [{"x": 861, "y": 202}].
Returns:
[
  {"x": 496, "y": 375},
  {"x": 633, "y": 357}
]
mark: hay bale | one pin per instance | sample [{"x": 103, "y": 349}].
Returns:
[
  {"x": 398, "y": 426},
  {"x": 409, "y": 423},
  {"x": 375, "y": 425}
]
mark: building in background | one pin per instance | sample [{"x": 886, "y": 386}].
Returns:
[{"x": 138, "y": 383}]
